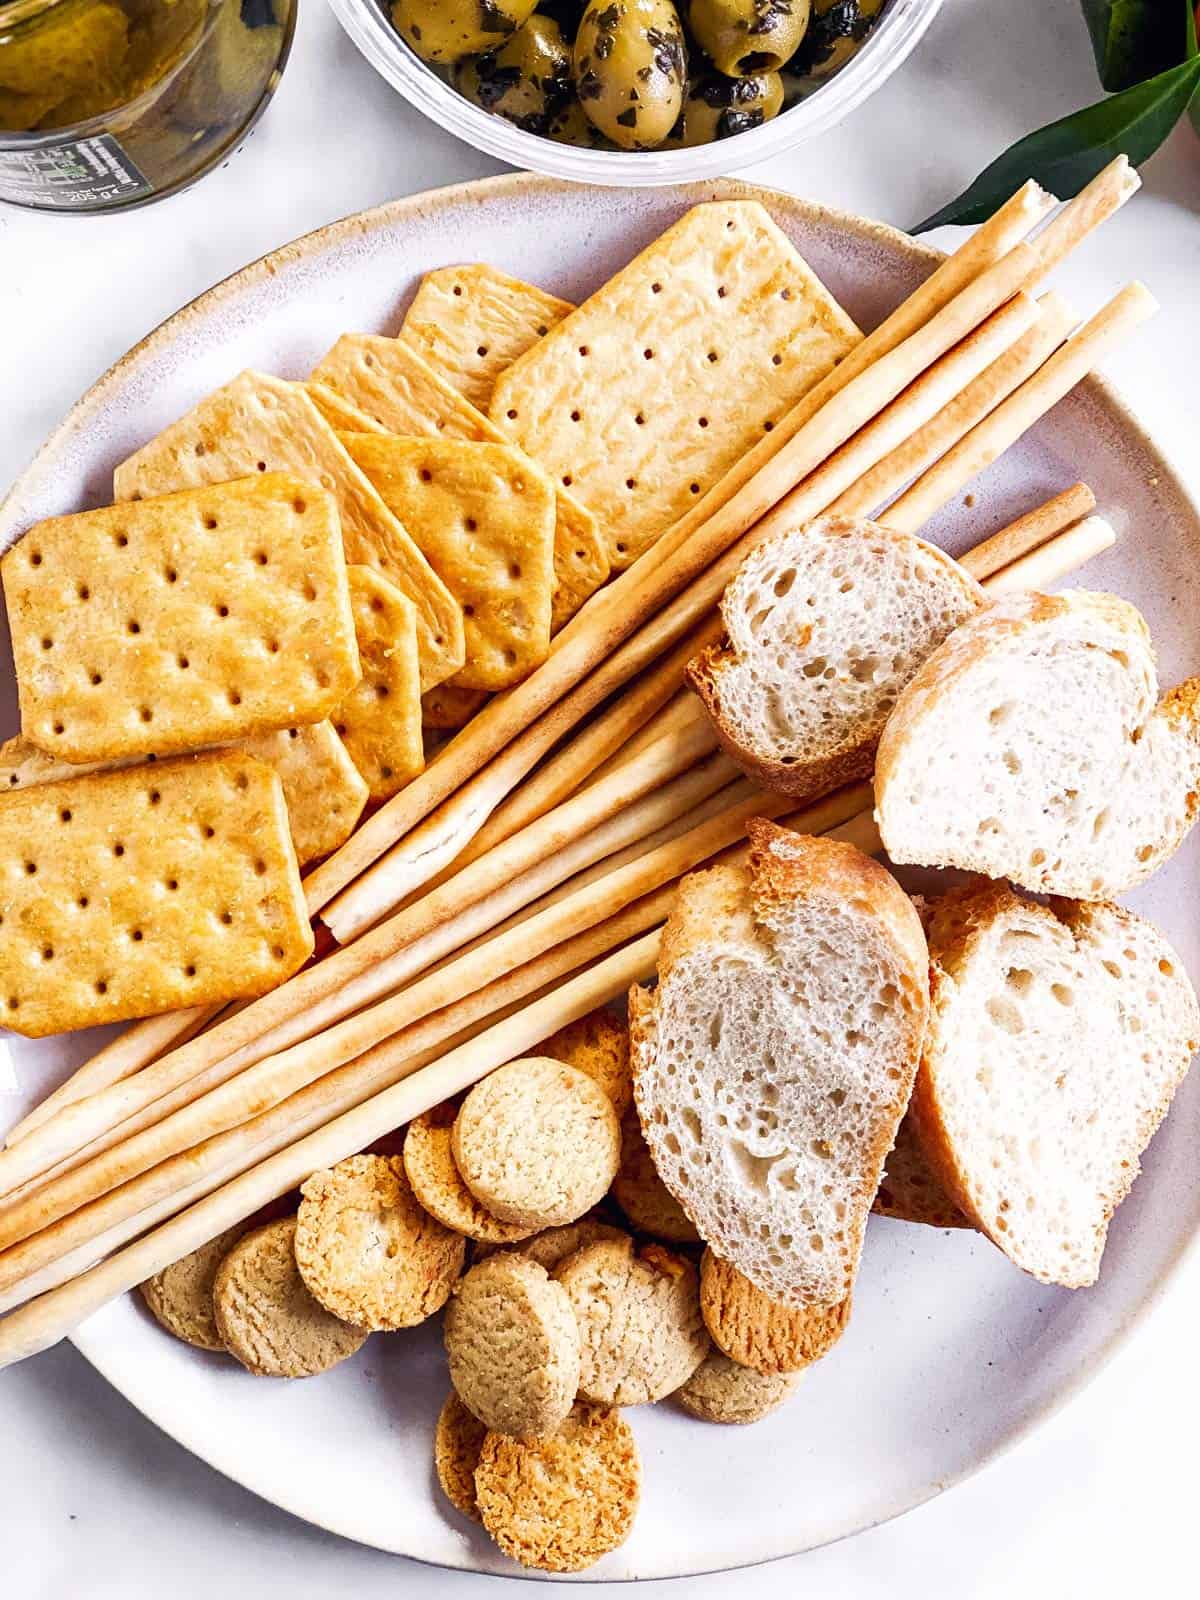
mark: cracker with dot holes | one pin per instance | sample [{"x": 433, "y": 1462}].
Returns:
[
  {"x": 324, "y": 791},
  {"x": 379, "y": 721},
  {"x": 398, "y": 389},
  {"x": 642, "y": 398},
  {"x": 183, "y": 621},
  {"x": 448, "y": 706},
  {"x": 471, "y": 322},
  {"x": 128, "y": 893},
  {"x": 259, "y": 423},
  {"x": 483, "y": 516}
]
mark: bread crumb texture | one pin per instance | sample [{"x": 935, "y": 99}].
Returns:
[
  {"x": 640, "y": 1327},
  {"x": 513, "y": 1345},
  {"x": 537, "y": 1142},
  {"x": 368, "y": 1251},
  {"x": 721, "y": 1390},
  {"x": 267, "y": 1318},
  {"x": 457, "y": 1446},
  {"x": 757, "y": 1332},
  {"x": 180, "y": 1297},
  {"x": 561, "y": 1502}
]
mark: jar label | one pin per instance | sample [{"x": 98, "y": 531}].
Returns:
[{"x": 71, "y": 174}]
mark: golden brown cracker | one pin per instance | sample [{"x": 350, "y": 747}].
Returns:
[
  {"x": 448, "y": 706},
  {"x": 379, "y": 721},
  {"x": 260, "y": 423},
  {"x": 560, "y": 1502},
  {"x": 457, "y": 1446},
  {"x": 471, "y": 322},
  {"x": 324, "y": 791},
  {"x": 755, "y": 1331},
  {"x": 341, "y": 415},
  {"x": 368, "y": 1252},
  {"x": 641, "y": 399},
  {"x": 388, "y": 380},
  {"x": 483, "y": 516},
  {"x": 187, "y": 620},
  {"x": 128, "y": 893}
]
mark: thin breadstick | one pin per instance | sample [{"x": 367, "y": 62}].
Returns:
[
  {"x": 1035, "y": 528},
  {"x": 1053, "y": 561},
  {"x": 613, "y": 813},
  {"x": 611, "y": 735},
  {"x": 1093, "y": 205},
  {"x": 679, "y": 712},
  {"x": 128, "y": 1053},
  {"x": 235, "y": 1149},
  {"x": 990, "y": 438},
  {"x": 975, "y": 402},
  {"x": 615, "y": 613},
  {"x": 715, "y": 552},
  {"x": 44, "y": 1321}
]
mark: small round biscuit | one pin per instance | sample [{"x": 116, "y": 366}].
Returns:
[
  {"x": 265, "y": 1314},
  {"x": 597, "y": 1044},
  {"x": 513, "y": 1345},
  {"x": 722, "y": 1391},
  {"x": 368, "y": 1251},
  {"x": 180, "y": 1297},
  {"x": 553, "y": 1245},
  {"x": 639, "y": 1319},
  {"x": 438, "y": 1185},
  {"x": 457, "y": 1443},
  {"x": 537, "y": 1142},
  {"x": 561, "y": 1502},
  {"x": 641, "y": 1193},
  {"x": 757, "y": 1332}
]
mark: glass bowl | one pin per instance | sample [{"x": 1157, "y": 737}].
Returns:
[{"x": 900, "y": 26}]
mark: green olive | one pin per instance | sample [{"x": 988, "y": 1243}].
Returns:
[
  {"x": 748, "y": 37},
  {"x": 570, "y": 125},
  {"x": 444, "y": 31},
  {"x": 717, "y": 107},
  {"x": 837, "y": 32},
  {"x": 526, "y": 81},
  {"x": 630, "y": 69}
]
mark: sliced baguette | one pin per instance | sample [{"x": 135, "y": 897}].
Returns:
[
  {"x": 1057, "y": 1037},
  {"x": 774, "y": 1061},
  {"x": 1032, "y": 746},
  {"x": 825, "y": 624}
]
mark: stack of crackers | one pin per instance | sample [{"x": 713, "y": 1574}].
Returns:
[
  {"x": 573, "y": 1286},
  {"x": 324, "y": 575}
]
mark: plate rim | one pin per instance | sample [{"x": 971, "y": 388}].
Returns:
[{"x": 488, "y": 190}]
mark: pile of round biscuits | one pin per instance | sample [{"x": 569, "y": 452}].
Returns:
[{"x": 562, "y": 1317}]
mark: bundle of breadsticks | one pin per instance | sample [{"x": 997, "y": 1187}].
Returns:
[{"x": 521, "y": 878}]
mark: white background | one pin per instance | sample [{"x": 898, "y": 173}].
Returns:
[{"x": 94, "y": 1502}]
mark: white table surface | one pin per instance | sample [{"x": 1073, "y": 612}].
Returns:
[{"x": 94, "y": 1501}]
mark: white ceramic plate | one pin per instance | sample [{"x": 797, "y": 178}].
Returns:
[{"x": 952, "y": 1354}]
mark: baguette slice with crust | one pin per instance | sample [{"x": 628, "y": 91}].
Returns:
[
  {"x": 1032, "y": 746},
  {"x": 825, "y": 624},
  {"x": 774, "y": 1061},
  {"x": 1057, "y": 1037}
]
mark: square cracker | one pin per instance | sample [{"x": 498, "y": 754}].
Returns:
[
  {"x": 133, "y": 892},
  {"x": 258, "y": 423},
  {"x": 642, "y": 398},
  {"x": 395, "y": 386},
  {"x": 471, "y": 322},
  {"x": 448, "y": 706},
  {"x": 323, "y": 789},
  {"x": 380, "y": 719},
  {"x": 187, "y": 620},
  {"x": 484, "y": 516},
  {"x": 341, "y": 415}
]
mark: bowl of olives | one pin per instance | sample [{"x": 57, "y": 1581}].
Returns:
[{"x": 635, "y": 91}]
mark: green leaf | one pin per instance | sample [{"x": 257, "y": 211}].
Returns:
[
  {"x": 1193, "y": 51},
  {"x": 1065, "y": 156},
  {"x": 1135, "y": 39}
]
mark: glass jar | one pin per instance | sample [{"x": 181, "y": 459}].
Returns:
[{"x": 113, "y": 103}]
